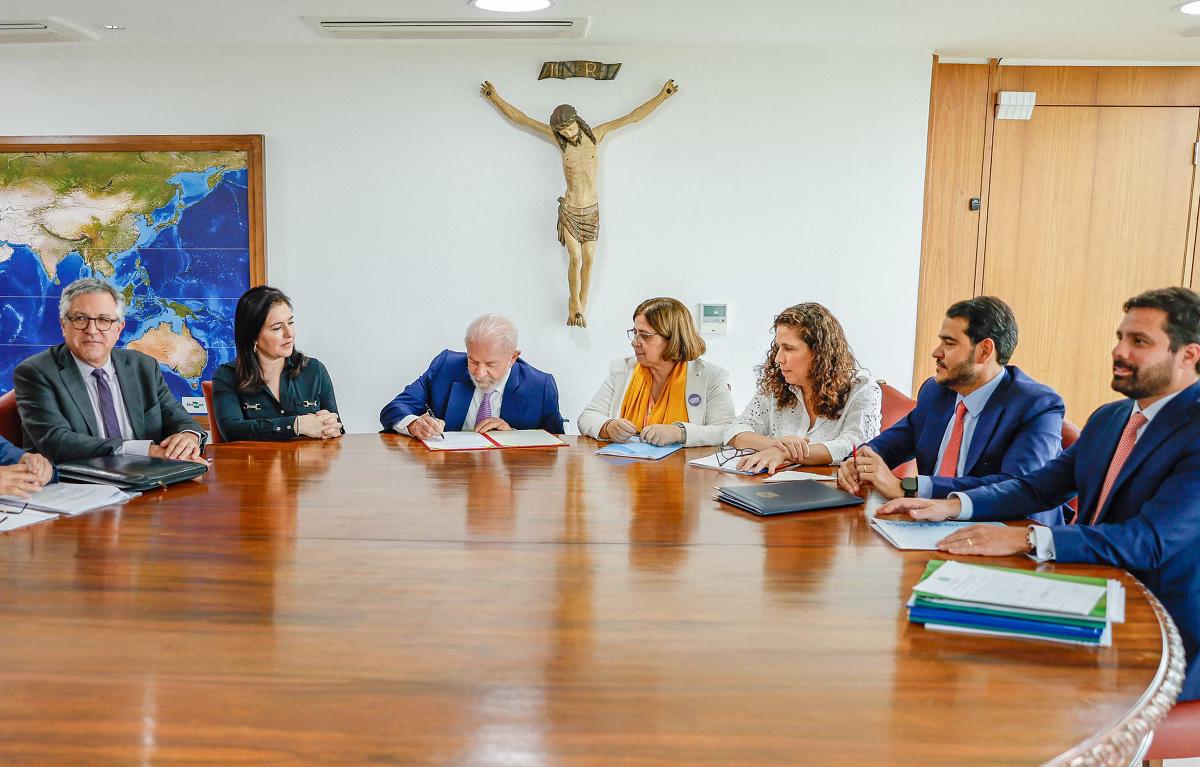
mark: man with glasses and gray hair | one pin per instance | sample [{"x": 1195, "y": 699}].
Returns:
[
  {"x": 85, "y": 399},
  {"x": 487, "y": 388}
]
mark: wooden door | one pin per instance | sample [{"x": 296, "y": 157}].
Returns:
[{"x": 1088, "y": 206}]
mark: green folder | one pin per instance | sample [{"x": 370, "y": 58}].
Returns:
[{"x": 1099, "y": 613}]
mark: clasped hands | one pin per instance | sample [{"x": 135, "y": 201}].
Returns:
[
  {"x": 319, "y": 425},
  {"x": 621, "y": 430},
  {"x": 26, "y": 477},
  {"x": 184, "y": 446},
  {"x": 867, "y": 469},
  {"x": 781, "y": 452}
]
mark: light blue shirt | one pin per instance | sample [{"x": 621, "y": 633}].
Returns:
[{"x": 976, "y": 401}]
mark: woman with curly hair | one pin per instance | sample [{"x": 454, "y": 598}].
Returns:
[{"x": 814, "y": 405}]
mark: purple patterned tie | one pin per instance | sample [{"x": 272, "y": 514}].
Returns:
[
  {"x": 111, "y": 428},
  {"x": 485, "y": 408}
]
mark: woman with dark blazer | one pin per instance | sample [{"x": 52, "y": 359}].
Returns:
[{"x": 272, "y": 391}]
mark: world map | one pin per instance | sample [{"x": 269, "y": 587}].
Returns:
[{"x": 169, "y": 230}]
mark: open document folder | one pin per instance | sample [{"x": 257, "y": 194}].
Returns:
[{"x": 470, "y": 440}]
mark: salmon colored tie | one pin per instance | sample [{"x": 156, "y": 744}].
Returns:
[
  {"x": 1124, "y": 448},
  {"x": 949, "y": 467}
]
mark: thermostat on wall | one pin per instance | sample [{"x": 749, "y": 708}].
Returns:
[{"x": 714, "y": 319}]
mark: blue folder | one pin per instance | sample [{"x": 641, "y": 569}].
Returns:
[
  {"x": 997, "y": 623},
  {"x": 639, "y": 450}
]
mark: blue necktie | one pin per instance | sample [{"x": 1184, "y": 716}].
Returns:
[{"x": 108, "y": 411}]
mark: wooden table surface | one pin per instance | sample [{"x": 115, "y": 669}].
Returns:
[{"x": 364, "y": 601}]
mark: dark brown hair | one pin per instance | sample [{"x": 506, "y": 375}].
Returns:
[
  {"x": 248, "y": 320},
  {"x": 1182, "y": 307},
  {"x": 562, "y": 116},
  {"x": 833, "y": 364}
]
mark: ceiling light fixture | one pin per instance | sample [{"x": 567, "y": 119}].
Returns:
[
  {"x": 511, "y": 6},
  {"x": 115, "y": 27},
  {"x": 1192, "y": 9}
]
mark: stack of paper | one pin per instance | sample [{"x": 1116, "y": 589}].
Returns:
[
  {"x": 63, "y": 498},
  {"x": 796, "y": 476},
  {"x": 11, "y": 520},
  {"x": 1002, "y": 601},
  {"x": 68, "y": 498}
]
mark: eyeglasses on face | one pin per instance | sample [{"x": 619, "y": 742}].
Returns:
[
  {"x": 729, "y": 453},
  {"x": 81, "y": 321},
  {"x": 634, "y": 334}
]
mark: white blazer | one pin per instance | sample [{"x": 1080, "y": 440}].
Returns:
[{"x": 709, "y": 403}]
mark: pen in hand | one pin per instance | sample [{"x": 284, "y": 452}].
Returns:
[
  {"x": 854, "y": 458},
  {"x": 429, "y": 412}
]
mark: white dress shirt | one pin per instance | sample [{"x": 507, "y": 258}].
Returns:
[
  {"x": 858, "y": 424},
  {"x": 1043, "y": 536},
  {"x": 468, "y": 424}
]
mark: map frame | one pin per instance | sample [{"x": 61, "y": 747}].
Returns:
[{"x": 250, "y": 144}]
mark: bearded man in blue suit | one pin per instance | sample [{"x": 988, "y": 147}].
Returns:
[
  {"x": 978, "y": 421},
  {"x": 1135, "y": 467},
  {"x": 487, "y": 388}
]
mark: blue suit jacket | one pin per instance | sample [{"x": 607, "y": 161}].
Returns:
[
  {"x": 530, "y": 398},
  {"x": 1150, "y": 523},
  {"x": 1019, "y": 429},
  {"x": 9, "y": 453}
]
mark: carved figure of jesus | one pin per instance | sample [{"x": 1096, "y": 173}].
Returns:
[{"x": 578, "y": 208}]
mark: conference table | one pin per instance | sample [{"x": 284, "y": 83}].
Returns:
[{"x": 367, "y": 601}]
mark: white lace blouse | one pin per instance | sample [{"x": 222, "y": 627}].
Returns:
[{"x": 858, "y": 424}]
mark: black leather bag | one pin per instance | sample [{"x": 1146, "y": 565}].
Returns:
[{"x": 130, "y": 472}]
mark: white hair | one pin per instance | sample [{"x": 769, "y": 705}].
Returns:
[
  {"x": 493, "y": 328},
  {"x": 87, "y": 285}
]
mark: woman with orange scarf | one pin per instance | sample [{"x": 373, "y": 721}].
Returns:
[{"x": 665, "y": 393}]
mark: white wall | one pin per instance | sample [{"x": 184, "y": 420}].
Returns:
[{"x": 400, "y": 204}]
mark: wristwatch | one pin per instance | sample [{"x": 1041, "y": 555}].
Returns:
[
  {"x": 909, "y": 486},
  {"x": 1031, "y": 541},
  {"x": 682, "y": 430}
]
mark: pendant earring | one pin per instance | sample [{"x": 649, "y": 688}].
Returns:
[{"x": 255, "y": 349}]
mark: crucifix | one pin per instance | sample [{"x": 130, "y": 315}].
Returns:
[{"x": 578, "y": 208}]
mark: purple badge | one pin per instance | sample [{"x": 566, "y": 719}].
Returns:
[{"x": 694, "y": 399}]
